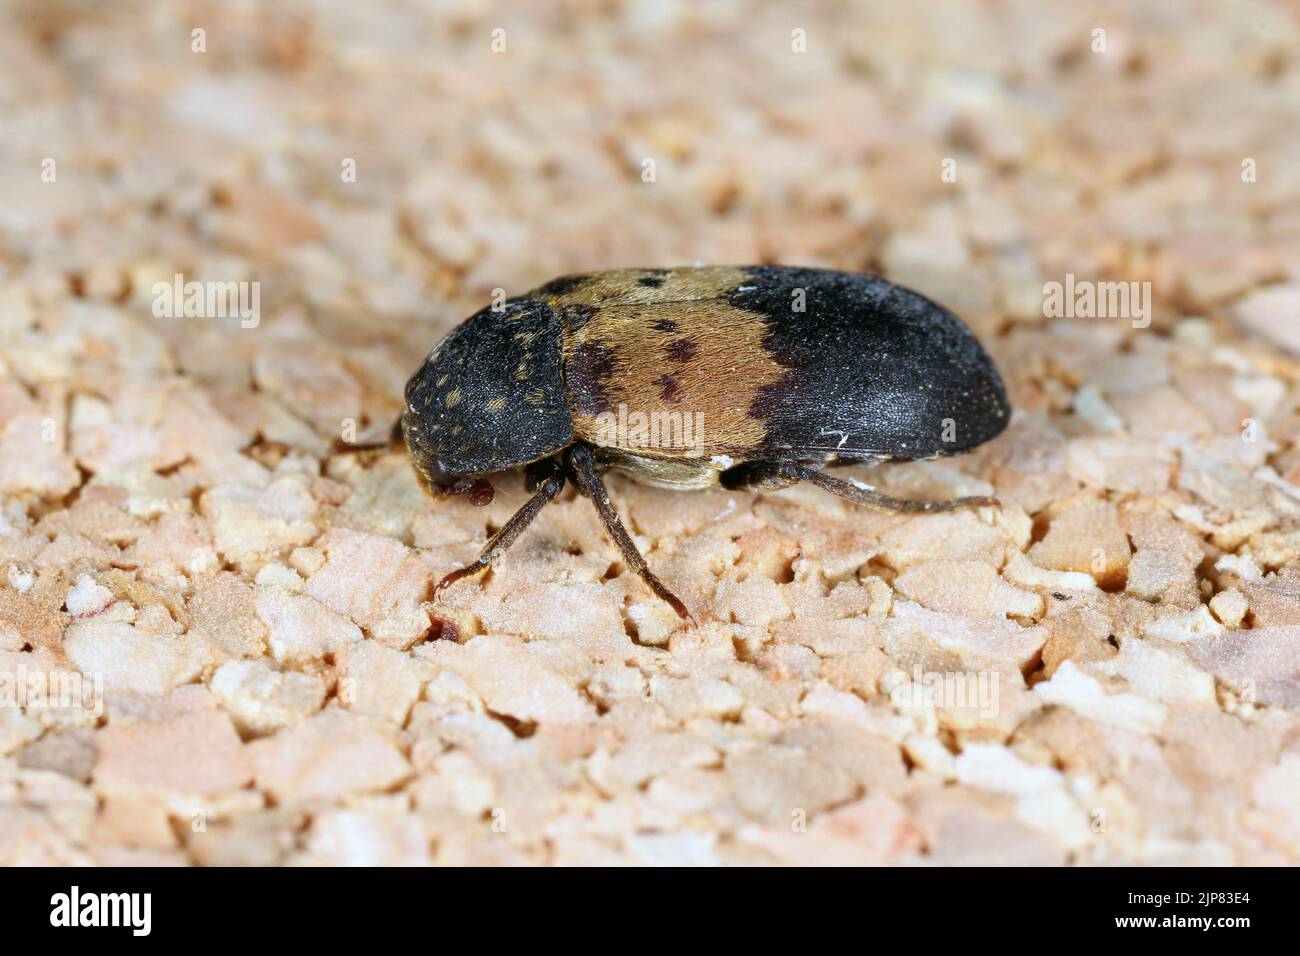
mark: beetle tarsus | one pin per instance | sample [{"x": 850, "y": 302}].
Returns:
[
  {"x": 681, "y": 609},
  {"x": 588, "y": 480},
  {"x": 468, "y": 571}
]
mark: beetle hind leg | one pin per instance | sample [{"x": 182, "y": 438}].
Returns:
[
  {"x": 775, "y": 475},
  {"x": 548, "y": 485},
  {"x": 588, "y": 480},
  {"x": 865, "y": 495}
]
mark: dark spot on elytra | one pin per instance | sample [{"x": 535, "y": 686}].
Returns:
[
  {"x": 681, "y": 350},
  {"x": 650, "y": 282},
  {"x": 576, "y": 316},
  {"x": 588, "y": 369},
  {"x": 771, "y": 400},
  {"x": 669, "y": 386},
  {"x": 666, "y": 326}
]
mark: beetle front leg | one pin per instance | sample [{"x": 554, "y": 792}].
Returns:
[
  {"x": 545, "y": 480},
  {"x": 585, "y": 476}
]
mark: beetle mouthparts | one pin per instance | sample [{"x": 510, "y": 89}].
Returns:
[{"x": 479, "y": 491}]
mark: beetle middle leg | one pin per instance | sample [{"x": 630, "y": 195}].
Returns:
[
  {"x": 769, "y": 476},
  {"x": 587, "y": 478},
  {"x": 545, "y": 480}
]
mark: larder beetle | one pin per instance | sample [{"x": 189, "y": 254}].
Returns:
[{"x": 744, "y": 377}]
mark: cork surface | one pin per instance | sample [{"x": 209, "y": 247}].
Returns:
[{"x": 1105, "y": 670}]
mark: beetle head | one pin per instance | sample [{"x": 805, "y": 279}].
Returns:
[{"x": 489, "y": 397}]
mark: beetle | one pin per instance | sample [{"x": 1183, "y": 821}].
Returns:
[{"x": 686, "y": 378}]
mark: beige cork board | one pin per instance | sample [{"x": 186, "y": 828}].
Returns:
[{"x": 1105, "y": 670}]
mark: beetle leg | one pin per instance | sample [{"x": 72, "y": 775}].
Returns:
[
  {"x": 546, "y": 489},
  {"x": 588, "y": 480},
  {"x": 780, "y": 474},
  {"x": 864, "y": 495}
]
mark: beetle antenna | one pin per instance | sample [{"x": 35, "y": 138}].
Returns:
[
  {"x": 546, "y": 490},
  {"x": 479, "y": 491},
  {"x": 863, "y": 495},
  {"x": 589, "y": 483},
  {"x": 373, "y": 444}
]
